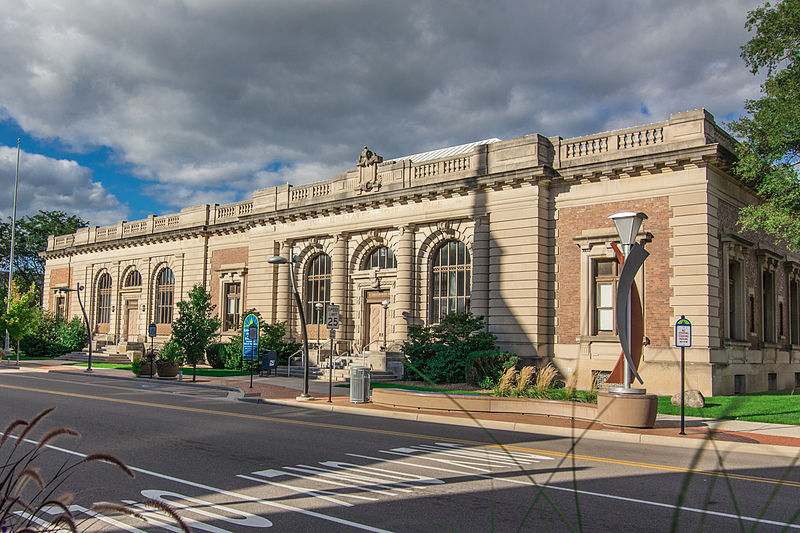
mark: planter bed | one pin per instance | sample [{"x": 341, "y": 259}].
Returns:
[{"x": 439, "y": 401}]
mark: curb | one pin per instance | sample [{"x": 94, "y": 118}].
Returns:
[
  {"x": 690, "y": 444},
  {"x": 170, "y": 381}
]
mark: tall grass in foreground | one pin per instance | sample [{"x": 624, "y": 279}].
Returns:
[{"x": 32, "y": 500}]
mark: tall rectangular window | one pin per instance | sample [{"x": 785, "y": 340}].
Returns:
[
  {"x": 605, "y": 276},
  {"x": 794, "y": 313},
  {"x": 735, "y": 307},
  {"x": 165, "y": 296},
  {"x": 232, "y": 306},
  {"x": 768, "y": 306},
  {"x": 61, "y": 306}
]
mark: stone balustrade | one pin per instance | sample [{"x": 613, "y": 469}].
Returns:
[{"x": 682, "y": 130}]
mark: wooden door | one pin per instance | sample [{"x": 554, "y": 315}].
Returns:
[
  {"x": 131, "y": 318},
  {"x": 373, "y": 320}
]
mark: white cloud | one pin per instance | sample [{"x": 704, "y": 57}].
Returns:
[
  {"x": 204, "y": 95},
  {"x": 55, "y": 184}
]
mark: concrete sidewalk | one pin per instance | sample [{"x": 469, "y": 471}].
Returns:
[{"x": 722, "y": 435}]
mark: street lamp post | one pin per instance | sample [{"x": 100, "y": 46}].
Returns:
[
  {"x": 628, "y": 224},
  {"x": 318, "y": 306},
  {"x": 279, "y": 260},
  {"x": 85, "y": 317},
  {"x": 385, "y": 305},
  {"x": 7, "y": 347}
]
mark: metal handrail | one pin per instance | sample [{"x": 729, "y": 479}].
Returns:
[
  {"x": 366, "y": 348},
  {"x": 334, "y": 360},
  {"x": 289, "y": 362}
]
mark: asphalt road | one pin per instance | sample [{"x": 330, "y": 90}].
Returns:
[{"x": 229, "y": 465}]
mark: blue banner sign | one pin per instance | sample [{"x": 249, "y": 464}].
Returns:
[{"x": 250, "y": 338}]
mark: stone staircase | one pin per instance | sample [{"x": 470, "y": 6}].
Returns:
[
  {"x": 98, "y": 356},
  {"x": 341, "y": 371},
  {"x": 103, "y": 352}
]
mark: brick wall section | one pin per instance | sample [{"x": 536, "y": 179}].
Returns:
[
  {"x": 574, "y": 220},
  {"x": 220, "y": 258},
  {"x": 728, "y": 216},
  {"x": 59, "y": 277}
]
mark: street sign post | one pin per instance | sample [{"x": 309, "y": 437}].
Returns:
[
  {"x": 250, "y": 342},
  {"x": 151, "y": 331},
  {"x": 332, "y": 317},
  {"x": 332, "y": 323},
  {"x": 683, "y": 340}
]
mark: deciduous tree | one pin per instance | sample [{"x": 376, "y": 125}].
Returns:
[
  {"x": 31, "y": 238},
  {"x": 770, "y": 152},
  {"x": 194, "y": 328}
]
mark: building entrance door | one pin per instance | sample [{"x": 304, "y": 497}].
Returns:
[
  {"x": 131, "y": 318},
  {"x": 373, "y": 319}
]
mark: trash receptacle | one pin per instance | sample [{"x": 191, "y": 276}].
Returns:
[{"x": 359, "y": 384}]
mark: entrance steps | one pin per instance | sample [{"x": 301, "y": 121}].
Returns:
[{"x": 98, "y": 356}]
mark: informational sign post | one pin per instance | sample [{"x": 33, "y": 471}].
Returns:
[
  {"x": 683, "y": 340},
  {"x": 250, "y": 342},
  {"x": 151, "y": 331}
]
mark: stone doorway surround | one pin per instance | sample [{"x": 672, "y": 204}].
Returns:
[
  {"x": 372, "y": 332},
  {"x": 131, "y": 320}
]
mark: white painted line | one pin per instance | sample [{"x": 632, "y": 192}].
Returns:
[
  {"x": 410, "y": 452},
  {"x": 480, "y": 459},
  {"x": 322, "y": 473},
  {"x": 409, "y": 478},
  {"x": 232, "y": 494},
  {"x": 501, "y": 453},
  {"x": 317, "y": 493},
  {"x": 596, "y": 494},
  {"x": 359, "y": 473},
  {"x": 244, "y": 518},
  {"x": 152, "y": 516},
  {"x": 317, "y": 479}
]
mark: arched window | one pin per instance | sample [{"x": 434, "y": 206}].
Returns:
[
  {"x": 450, "y": 280},
  {"x": 133, "y": 279},
  {"x": 104, "y": 298},
  {"x": 381, "y": 257},
  {"x": 165, "y": 296},
  {"x": 318, "y": 288}
]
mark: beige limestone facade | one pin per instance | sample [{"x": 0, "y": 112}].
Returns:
[{"x": 515, "y": 230}]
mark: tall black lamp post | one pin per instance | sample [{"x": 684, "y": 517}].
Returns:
[
  {"x": 279, "y": 260},
  {"x": 85, "y": 318}
]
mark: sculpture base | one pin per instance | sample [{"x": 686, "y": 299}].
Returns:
[
  {"x": 627, "y": 410},
  {"x": 623, "y": 390}
]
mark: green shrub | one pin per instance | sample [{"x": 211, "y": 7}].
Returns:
[
  {"x": 440, "y": 353},
  {"x": 136, "y": 366},
  {"x": 172, "y": 352},
  {"x": 215, "y": 354},
  {"x": 53, "y": 336},
  {"x": 485, "y": 367}
]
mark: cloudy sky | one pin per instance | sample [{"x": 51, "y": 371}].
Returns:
[{"x": 128, "y": 108}]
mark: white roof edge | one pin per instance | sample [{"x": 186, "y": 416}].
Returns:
[{"x": 446, "y": 152}]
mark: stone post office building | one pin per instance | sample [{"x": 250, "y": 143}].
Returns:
[{"x": 516, "y": 230}]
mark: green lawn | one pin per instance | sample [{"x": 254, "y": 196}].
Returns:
[{"x": 781, "y": 407}]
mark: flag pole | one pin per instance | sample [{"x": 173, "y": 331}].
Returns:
[{"x": 6, "y": 347}]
